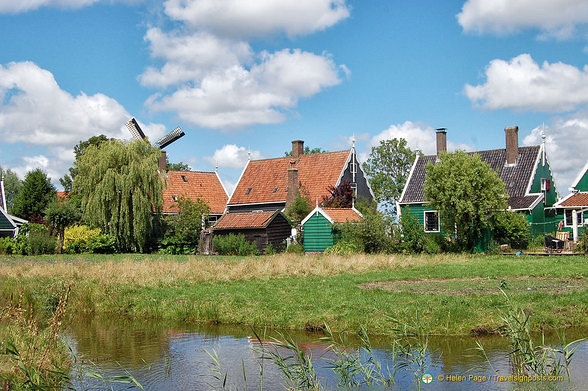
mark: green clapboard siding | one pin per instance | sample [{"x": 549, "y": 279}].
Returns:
[
  {"x": 4, "y": 223},
  {"x": 583, "y": 182},
  {"x": 543, "y": 171},
  {"x": 318, "y": 233}
]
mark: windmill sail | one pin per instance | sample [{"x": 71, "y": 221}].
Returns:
[
  {"x": 170, "y": 137},
  {"x": 135, "y": 129}
]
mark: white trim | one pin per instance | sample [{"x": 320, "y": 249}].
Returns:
[
  {"x": 580, "y": 218},
  {"x": 237, "y": 185},
  {"x": 533, "y": 173},
  {"x": 558, "y": 203},
  {"x": 425, "y": 221},
  {"x": 344, "y": 167},
  {"x": 314, "y": 212},
  {"x": 408, "y": 181},
  {"x": 222, "y": 184},
  {"x": 365, "y": 177},
  {"x": 580, "y": 175}
]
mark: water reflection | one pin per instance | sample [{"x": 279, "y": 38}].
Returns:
[{"x": 172, "y": 356}]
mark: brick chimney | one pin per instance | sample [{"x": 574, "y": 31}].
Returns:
[
  {"x": 441, "y": 141},
  {"x": 512, "y": 144},
  {"x": 292, "y": 182},
  {"x": 297, "y": 149},
  {"x": 162, "y": 162}
]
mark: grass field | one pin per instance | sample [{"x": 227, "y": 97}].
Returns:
[{"x": 448, "y": 294}]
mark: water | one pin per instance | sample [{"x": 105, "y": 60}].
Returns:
[{"x": 168, "y": 356}]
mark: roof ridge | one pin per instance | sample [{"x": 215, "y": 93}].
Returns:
[
  {"x": 493, "y": 150},
  {"x": 303, "y": 155}
]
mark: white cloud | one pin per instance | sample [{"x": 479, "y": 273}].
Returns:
[
  {"x": 191, "y": 57},
  {"x": 255, "y": 18},
  {"x": 34, "y": 110},
  {"x": 566, "y": 146},
  {"x": 418, "y": 137},
  {"x": 232, "y": 156},
  {"x": 240, "y": 96},
  {"x": 557, "y": 18},
  {"x": 522, "y": 84}
]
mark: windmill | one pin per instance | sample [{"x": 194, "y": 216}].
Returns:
[{"x": 163, "y": 142}]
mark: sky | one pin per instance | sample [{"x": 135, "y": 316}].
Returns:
[{"x": 246, "y": 77}]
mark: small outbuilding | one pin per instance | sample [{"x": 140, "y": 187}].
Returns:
[
  {"x": 318, "y": 226},
  {"x": 9, "y": 225},
  {"x": 260, "y": 227}
]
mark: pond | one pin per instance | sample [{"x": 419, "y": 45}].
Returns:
[{"x": 168, "y": 356}]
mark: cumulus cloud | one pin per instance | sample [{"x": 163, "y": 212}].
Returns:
[
  {"x": 232, "y": 156},
  {"x": 34, "y": 110},
  {"x": 241, "y": 96},
  {"x": 523, "y": 84},
  {"x": 255, "y": 18},
  {"x": 557, "y": 18},
  {"x": 566, "y": 146}
]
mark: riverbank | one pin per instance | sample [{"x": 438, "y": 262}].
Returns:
[{"x": 440, "y": 294}]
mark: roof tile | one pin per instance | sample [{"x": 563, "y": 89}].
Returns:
[
  {"x": 578, "y": 199},
  {"x": 245, "y": 220},
  {"x": 342, "y": 215},
  {"x": 203, "y": 185}
]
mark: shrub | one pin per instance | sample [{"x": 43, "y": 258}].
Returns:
[
  {"x": 413, "y": 236},
  {"x": 40, "y": 241},
  {"x": 343, "y": 248},
  {"x": 431, "y": 244},
  {"x": 370, "y": 235},
  {"x": 77, "y": 238},
  {"x": 232, "y": 244},
  {"x": 295, "y": 248},
  {"x": 512, "y": 229},
  {"x": 102, "y": 244},
  {"x": 270, "y": 250}
]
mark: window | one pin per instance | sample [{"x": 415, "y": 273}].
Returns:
[
  {"x": 275, "y": 189},
  {"x": 431, "y": 221},
  {"x": 248, "y": 191},
  {"x": 175, "y": 198},
  {"x": 569, "y": 220},
  {"x": 545, "y": 184},
  {"x": 184, "y": 178},
  {"x": 212, "y": 219}
]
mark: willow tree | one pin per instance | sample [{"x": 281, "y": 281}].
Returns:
[{"x": 121, "y": 189}]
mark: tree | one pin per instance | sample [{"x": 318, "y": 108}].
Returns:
[
  {"x": 181, "y": 166},
  {"x": 307, "y": 151},
  {"x": 340, "y": 196},
  {"x": 36, "y": 193},
  {"x": 388, "y": 167},
  {"x": 466, "y": 192},
  {"x": 187, "y": 223},
  {"x": 67, "y": 180},
  {"x": 12, "y": 186},
  {"x": 61, "y": 215},
  {"x": 298, "y": 210},
  {"x": 120, "y": 190}
]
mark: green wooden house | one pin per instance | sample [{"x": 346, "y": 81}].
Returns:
[
  {"x": 9, "y": 224},
  {"x": 526, "y": 174},
  {"x": 318, "y": 226},
  {"x": 573, "y": 208}
]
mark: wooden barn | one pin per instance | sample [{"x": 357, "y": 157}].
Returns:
[
  {"x": 318, "y": 226},
  {"x": 261, "y": 228}
]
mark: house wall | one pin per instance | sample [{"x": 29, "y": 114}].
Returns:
[
  {"x": 583, "y": 183},
  {"x": 6, "y": 228},
  {"x": 277, "y": 232},
  {"x": 318, "y": 233},
  {"x": 544, "y": 171},
  {"x": 363, "y": 190}
]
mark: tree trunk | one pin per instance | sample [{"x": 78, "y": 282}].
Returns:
[{"x": 61, "y": 240}]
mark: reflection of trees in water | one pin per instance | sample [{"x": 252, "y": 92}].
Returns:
[{"x": 124, "y": 341}]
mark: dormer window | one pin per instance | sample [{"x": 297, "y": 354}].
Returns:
[
  {"x": 545, "y": 184},
  {"x": 275, "y": 190},
  {"x": 175, "y": 198},
  {"x": 184, "y": 178},
  {"x": 248, "y": 191}
]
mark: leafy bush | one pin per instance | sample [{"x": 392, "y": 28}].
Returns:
[
  {"x": 40, "y": 241},
  {"x": 512, "y": 229},
  {"x": 413, "y": 236},
  {"x": 431, "y": 244},
  {"x": 102, "y": 244},
  {"x": 370, "y": 235},
  {"x": 10, "y": 246},
  {"x": 343, "y": 248},
  {"x": 77, "y": 237},
  {"x": 270, "y": 250},
  {"x": 175, "y": 246},
  {"x": 295, "y": 248},
  {"x": 232, "y": 244}
]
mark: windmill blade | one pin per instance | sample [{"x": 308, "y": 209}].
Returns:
[
  {"x": 135, "y": 129},
  {"x": 170, "y": 137}
]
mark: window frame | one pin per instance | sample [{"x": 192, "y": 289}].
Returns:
[
  {"x": 571, "y": 225},
  {"x": 436, "y": 212}
]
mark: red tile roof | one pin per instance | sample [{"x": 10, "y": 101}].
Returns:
[
  {"x": 579, "y": 199},
  {"x": 342, "y": 215},
  {"x": 315, "y": 172},
  {"x": 245, "y": 220},
  {"x": 203, "y": 185}
]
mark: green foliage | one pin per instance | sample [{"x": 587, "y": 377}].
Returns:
[
  {"x": 182, "y": 230},
  {"x": 388, "y": 167},
  {"x": 121, "y": 189},
  {"x": 79, "y": 149},
  {"x": 295, "y": 248},
  {"x": 36, "y": 193},
  {"x": 80, "y": 239},
  {"x": 466, "y": 192},
  {"x": 413, "y": 236},
  {"x": 343, "y": 248},
  {"x": 307, "y": 151},
  {"x": 511, "y": 228},
  {"x": 298, "y": 210},
  {"x": 181, "y": 166},
  {"x": 61, "y": 215},
  {"x": 232, "y": 244},
  {"x": 12, "y": 186},
  {"x": 370, "y": 235},
  {"x": 40, "y": 241},
  {"x": 270, "y": 250},
  {"x": 583, "y": 241}
]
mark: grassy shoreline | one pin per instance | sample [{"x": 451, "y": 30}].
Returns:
[{"x": 449, "y": 294}]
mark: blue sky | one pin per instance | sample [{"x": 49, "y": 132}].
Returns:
[{"x": 250, "y": 76}]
